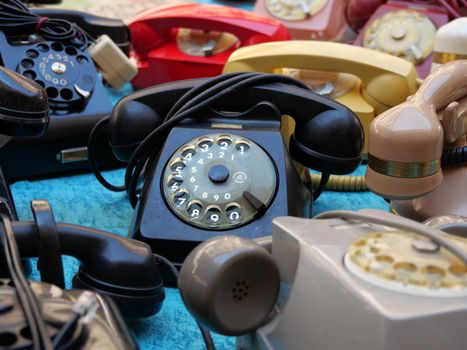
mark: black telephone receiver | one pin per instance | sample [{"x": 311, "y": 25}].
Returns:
[
  {"x": 118, "y": 267},
  {"x": 224, "y": 169},
  {"x": 62, "y": 65},
  {"x": 111, "y": 265}
]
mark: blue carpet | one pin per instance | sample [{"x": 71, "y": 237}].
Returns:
[{"x": 81, "y": 200}]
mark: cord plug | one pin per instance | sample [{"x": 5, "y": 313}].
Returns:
[{"x": 115, "y": 66}]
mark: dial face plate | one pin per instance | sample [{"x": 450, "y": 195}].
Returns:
[
  {"x": 294, "y": 10},
  {"x": 406, "y": 34},
  {"x": 409, "y": 263},
  {"x": 219, "y": 181},
  {"x": 67, "y": 73},
  {"x": 195, "y": 42}
]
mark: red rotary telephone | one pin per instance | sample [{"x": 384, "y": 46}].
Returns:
[{"x": 185, "y": 41}]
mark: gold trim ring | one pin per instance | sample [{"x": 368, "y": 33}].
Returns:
[
  {"x": 445, "y": 57},
  {"x": 404, "y": 169}
]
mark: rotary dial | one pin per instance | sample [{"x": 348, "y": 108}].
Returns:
[
  {"x": 219, "y": 181},
  {"x": 196, "y": 42},
  {"x": 67, "y": 73},
  {"x": 407, "y": 34},
  {"x": 410, "y": 263},
  {"x": 294, "y": 10}
]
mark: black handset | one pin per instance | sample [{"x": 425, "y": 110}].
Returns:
[
  {"x": 116, "y": 266},
  {"x": 224, "y": 170},
  {"x": 94, "y": 25},
  {"x": 60, "y": 63}
]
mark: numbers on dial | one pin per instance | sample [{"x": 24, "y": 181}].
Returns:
[
  {"x": 206, "y": 179},
  {"x": 188, "y": 153},
  {"x": 242, "y": 146},
  {"x": 180, "y": 197},
  {"x": 175, "y": 182},
  {"x": 177, "y": 165},
  {"x": 195, "y": 210},
  {"x": 205, "y": 144},
  {"x": 224, "y": 141},
  {"x": 213, "y": 215},
  {"x": 233, "y": 212}
]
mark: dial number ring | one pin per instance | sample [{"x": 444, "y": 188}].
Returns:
[{"x": 205, "y": 181}]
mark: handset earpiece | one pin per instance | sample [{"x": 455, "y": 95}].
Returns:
[
  {"x": 130, "y": 122},
  {"x": 330, "y": 142},
  {"x": 136, "y": 115},
  {"x": 230, "y": 284},
  {"x": 115, "y": 266},
  {"x": 24, "y": 111}
]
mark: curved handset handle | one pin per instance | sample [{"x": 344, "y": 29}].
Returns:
[
  {"x": 406, "y": 142},
  {"x": 386, "y": 80},
  {"x": 154, "y": 26},
  {"x": 318, "y": 121},
  {"x": 119, "y": 267}
]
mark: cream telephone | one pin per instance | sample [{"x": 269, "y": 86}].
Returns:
[
  {"x": 366, "y": 81},
  {"x": 361, "y": 280}
]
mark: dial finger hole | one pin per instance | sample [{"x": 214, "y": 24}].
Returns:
[
  {"x": 195, "y": 210},
  {"x": 51, "y": 92},
  {"x": 43, "y": 47},
  {"x": 175, "y": 182},
  {"x": 224, "y": 141},
  {"x": 66, "y": 94},
  {"x": 213, "y": 215},
  {"x": 30, "y": 74},
  {"x": 71, "y": 51},
  {"x": 27, "y": 63},
  {"x": 233, "y": 212},
  {"x": 205, "y": 144},
  {"x": 242, "y": 146},
  {"x": 188, "y": 153},
  {"x": 57, "y": 47},
  {"x": 180, "y": 198},
  {"x": 177, "y": 165},
  {"x": 32, "y": 53}
]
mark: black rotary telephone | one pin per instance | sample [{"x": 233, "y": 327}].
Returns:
[
  {"x": 51, "y": 48},
  {"x": 214, "y": 158}
]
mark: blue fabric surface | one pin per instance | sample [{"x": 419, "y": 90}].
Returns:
[{"x": 82, "y": 200}]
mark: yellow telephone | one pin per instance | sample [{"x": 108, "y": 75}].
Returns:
[{"x": 384, "y": 80}]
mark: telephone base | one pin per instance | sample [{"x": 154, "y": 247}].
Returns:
[{"x": 448, "y": 198}]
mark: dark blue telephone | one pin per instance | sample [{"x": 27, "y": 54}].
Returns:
[
  {"x": 214, "y": 158},
  {"x": 61, "y": 64}
]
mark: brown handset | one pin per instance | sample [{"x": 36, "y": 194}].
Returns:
[{"x": 413, "y": 144}]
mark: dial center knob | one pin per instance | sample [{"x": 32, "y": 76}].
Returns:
[
  {"x": 398, "y": 33},
  {"x": 218, "y": 173},
  {"x": 58, "y": 68}
]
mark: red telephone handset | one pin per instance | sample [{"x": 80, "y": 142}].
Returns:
[{"x": 194, "y": 40}]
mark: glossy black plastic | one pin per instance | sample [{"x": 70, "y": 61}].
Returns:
[
  {"x": 96, "y": 26},
  {"x": 116, "y": 266},
  {"x": 23, "y": 106}
]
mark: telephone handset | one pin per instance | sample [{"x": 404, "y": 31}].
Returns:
[
  {"x": 226, "y": 169},
  {"x": 94, "y": 25},
  {"x": 429, "y": 159},
  {"x": 55, "y": 56},
  {"x": 375, "y": 70},
  {"x": 396, "y": 276},
  {"x": 404, "y": 29},
  {"x": 186, "y": 41}
]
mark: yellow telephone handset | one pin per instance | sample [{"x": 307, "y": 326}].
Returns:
[{"x": 385, "y": 80}]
